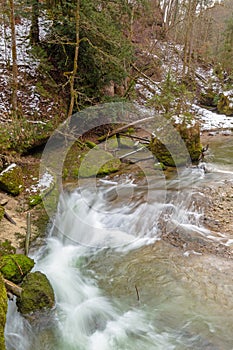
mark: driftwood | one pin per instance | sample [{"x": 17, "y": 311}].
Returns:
[
  {"x": 146, "y": 77},
  {"x": 13, "y": 288},
  {"x": 9, "y": 218},
  {"x": 122, "y": 128},
  {"x": 130, "y": 153},
  {"x": 138, "y": 297},
  {"x": 143, "y": 139}
]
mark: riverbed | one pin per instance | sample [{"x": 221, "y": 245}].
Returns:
[{"x": 140, "y": 263}]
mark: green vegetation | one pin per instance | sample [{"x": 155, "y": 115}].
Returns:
[
  {"x": 225, "y": 104},
  {"x": 98, "y": 162},
  {"x": 11, "y": 180},
  {"x": 37, "y": 294},
  {"x": 174, "y": 98},
  {"x": 3, "y": 311},
  {"x": 15, "y": 267},
  {"x": 177, "y": 144},
  {"x": 7, "y": 248}
]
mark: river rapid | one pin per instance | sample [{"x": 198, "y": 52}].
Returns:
[{"x": 118, "y": 284}]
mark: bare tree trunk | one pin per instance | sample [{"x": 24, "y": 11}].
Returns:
[
  {"x": 34, "y": 31},
  {"x": 188, "y": 45},
  {"x": 75, "y": 65},
  {"x": 14, "y": 83}
]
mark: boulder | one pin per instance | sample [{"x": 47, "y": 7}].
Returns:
[
  {"x": 225, "y": 103},
  {"x": 37, "y": 294},
  {"x": 3, "y": 311},
  {"x": 97, "y": 162},
  {"x": 177, "y": 142},
  {"x": 14, "y": 267},
  {"x": 11, "y": 180}
]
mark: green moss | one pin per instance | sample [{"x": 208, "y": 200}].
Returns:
[
  {"x": 90, "y": 144},
  {"x": 34, "y": 200},
  {"x": 225, "y": 104},
  {"x": 6, "y": 248},
  {"x": 174, "y": 147},
  {"x": 3, "y": 311},
  {"x": 11, "y": 180},
  {"x": 37, "y": 294},
  {"x": 2, "y": 211},
  {"x": 14, "y": 267},
  {"x": 159, "y": 166},
  {"x": 98, "y": 162}
]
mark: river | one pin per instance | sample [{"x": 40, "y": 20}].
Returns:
[{"x": 118, "y": 285}]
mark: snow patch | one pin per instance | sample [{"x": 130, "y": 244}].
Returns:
[
  {"x": 9, "y": 168},
  {"x": 211, "y": 120},
  {"x": 43, "y": 184}
]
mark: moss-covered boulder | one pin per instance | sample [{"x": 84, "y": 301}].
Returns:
[
  {"x": 177, "y": 143},
  {"x": 11, "y": 180},
  {"x": 97, "y": 162},
  {"x": 15, "y": 267},
  {"x": 3, "y": 311},
  {"x": 225, "y": 103},
  {"x": 37, "y": 294}
]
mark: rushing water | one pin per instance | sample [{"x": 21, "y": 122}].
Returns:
[{"x": 117, "y": 285}]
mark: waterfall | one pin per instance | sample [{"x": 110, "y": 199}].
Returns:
[{"x": 89, "y": 221}]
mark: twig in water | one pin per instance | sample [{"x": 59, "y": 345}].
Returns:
[{"x": 138, "y": 298}]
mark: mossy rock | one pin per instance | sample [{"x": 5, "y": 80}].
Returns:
[
  {"x": 225, "y": 103},
  {"x": 15, "y": 267},
  {"x": 177, "y": 144},
  {"x": 35, "y": 200},
  {"x": 11, "y": 180},
  {"x": 37, "y": 294},
  {"x": 2, "y": 211},
  {"x": 209, "y": 98},
  {"x": 98, "y": 162},
  {"x": 3, "y": 311}
]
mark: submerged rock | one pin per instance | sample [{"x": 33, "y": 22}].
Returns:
[
  {"x": 177, "y": 143},
  {"x": 11, "y": 180},
  {"x": 14, "y": 267},
  {"x": 37, "y": 294},
  {"x": 3, "y": 311}
]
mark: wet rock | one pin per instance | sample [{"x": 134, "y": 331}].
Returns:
[
  {"x": 3, "y": 310},
  {"x": 37, "y": 294},
  {"x": 225, "y": 103},
  {"x": 15, "y": 267},
  {"x": 98, "y": 162},
  {"x": 11, "y": 180},
  {"x": 177, "y": 143}
]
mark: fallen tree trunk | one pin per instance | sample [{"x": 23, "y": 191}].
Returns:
[
  {"x": 125, "y": 127},
  {"x": 13, "y": 288}
]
